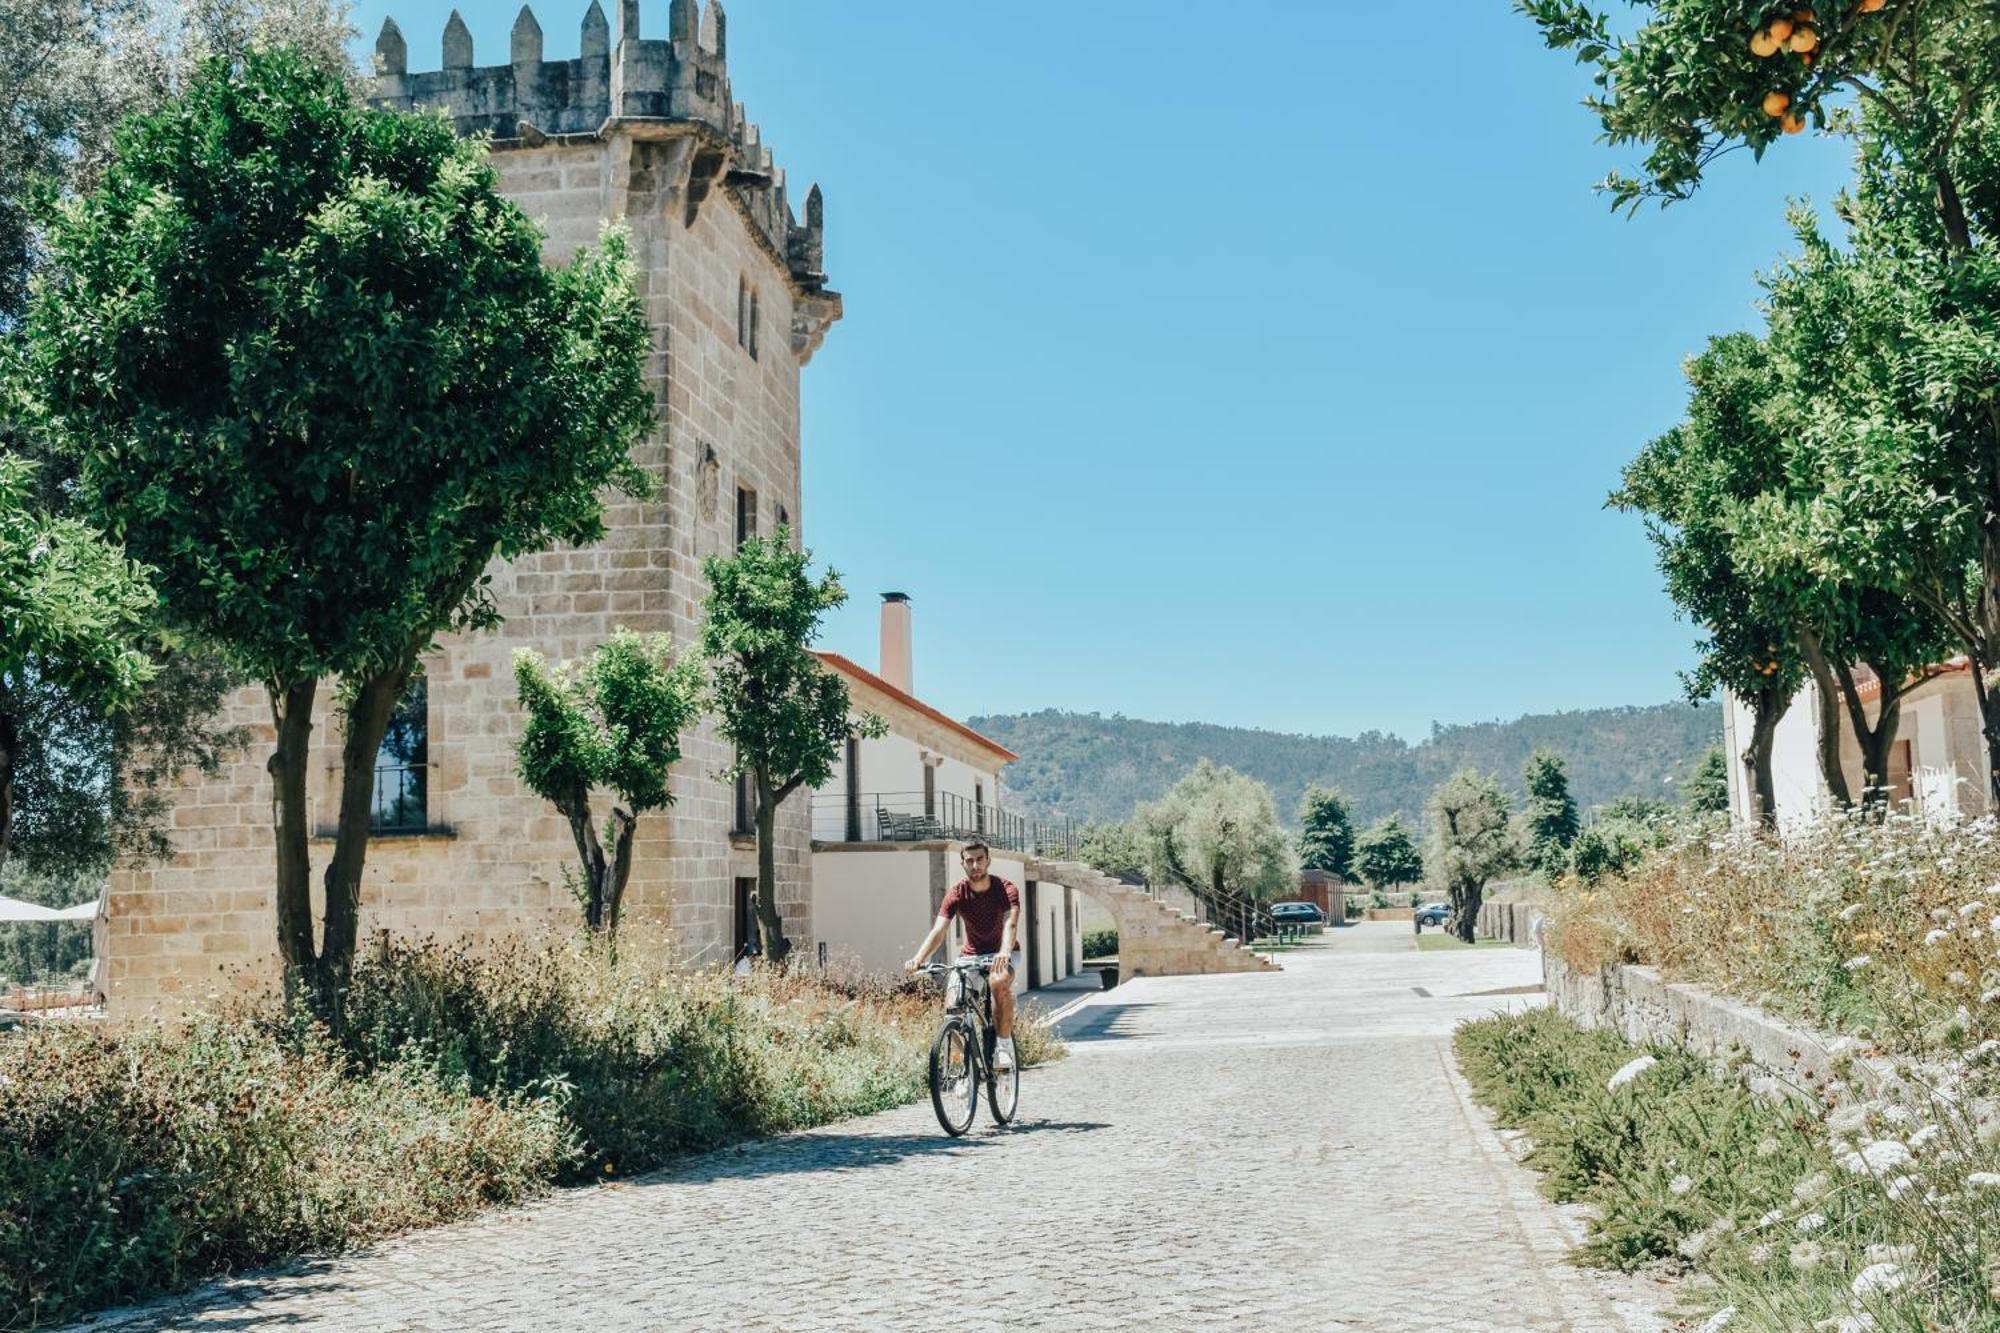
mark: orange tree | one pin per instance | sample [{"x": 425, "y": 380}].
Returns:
[
  {"x": 1891, "y": 346},
  {"x": 311, "y": 368}
]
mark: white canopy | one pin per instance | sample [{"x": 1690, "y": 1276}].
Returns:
[{"x": 13, "y": 909}]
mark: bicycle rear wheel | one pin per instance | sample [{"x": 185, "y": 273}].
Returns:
[{"x": 954, "y": 1077}]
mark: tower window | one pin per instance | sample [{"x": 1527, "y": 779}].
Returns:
[
  {"x": 746, "y": 514},
  {"x": 402, "y": 766}
]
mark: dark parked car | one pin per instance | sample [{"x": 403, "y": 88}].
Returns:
[
  {"x": 1432, "y": 914},
  {"x": 1297, "y": 914}
]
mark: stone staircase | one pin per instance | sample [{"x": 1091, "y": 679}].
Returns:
[{"x": 1153, "y": 940}]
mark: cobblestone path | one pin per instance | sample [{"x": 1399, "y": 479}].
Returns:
[{"x": 1289, "y": 1150}]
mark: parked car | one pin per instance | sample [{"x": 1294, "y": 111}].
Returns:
[
  {"x": 1432, "y": 914},
  {"x": 1297, "y": 914}
]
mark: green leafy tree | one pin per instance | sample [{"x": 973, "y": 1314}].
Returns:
[
  {"x": 312, "y": 368},
  {"x": 1707, "y": 789},
  {"x": 616, "y": 722},
  {"x": 1897, "y": 367},
  {"x": 1326, "y": 833},
  {"x": 1472, "y": 841},
  {"x": 72, "y": 609},
  {"x": 1217, "y": 832},
  {"x": 1689, "y": 484},
  {"x": 1386, "y": 855},
  {"x": 1116, "y": 847},
  {"x": 1549, "y": 820},
  {"x": 786, "y": 715}
]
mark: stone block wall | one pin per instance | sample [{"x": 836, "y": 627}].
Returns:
[{"x": 709, "y": 228}]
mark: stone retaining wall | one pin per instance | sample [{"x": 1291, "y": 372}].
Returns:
[
  {"x": 1517, "y": 923},
  {"x": 1646, "y": 1009}
]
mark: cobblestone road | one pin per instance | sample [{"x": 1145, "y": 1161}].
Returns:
[{"x": 1285, "y": 1150}]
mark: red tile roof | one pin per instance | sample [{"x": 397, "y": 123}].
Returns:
[
  {"x": 848, "y": 668},
  {"x": 1868, "y": 685}
]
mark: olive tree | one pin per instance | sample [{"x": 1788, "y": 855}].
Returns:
[
  {"x": 311, "y": 367},
  {"x": 1216, "y": 832},
  {"x": 614, "y": 722},
  {"x": 1472, "y": 841}
]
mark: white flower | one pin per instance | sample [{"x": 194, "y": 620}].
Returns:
[
  {"x": 1848, "y": 1120},
  {"x": 1629, "y": 1072},
  {"x": 1985, "y": 1180},
  {"x": 1896, "y": 1115},
  {"x": 1970, "y": 908},
  {"x": 1940, "y": 914},
  {"x": 1811, "y": 1222},
  {"x": 1877, "y": 1159},
  {"x": 1770, "y": 1219},
  {"x": 1937, "y": 937},
  {"x": 1680, "y": 1185},
  {"x": 1812, "y": 1187},
  {"x": 1856, "y": 963},
  {"x": 1849, "y": 912},
  {"x": 1900, "y": 1186},
  {"x": 1719, "y": 1320},
  {"x": 1986, "y": 997},
  {"x": 1889, "y": 1254},
  {"x": 1768, "y": 1147},
  {"x": 1993, "y": 890},
  {"x": 1924, "y": 1137},
  {"x": 1807, "y": 1255},
  {"x": 1878, "y": 1279}
]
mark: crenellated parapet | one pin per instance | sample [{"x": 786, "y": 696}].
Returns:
[{"x": 677, "y": 84}]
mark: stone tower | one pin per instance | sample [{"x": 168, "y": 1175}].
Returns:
[{"x": 639, "y": 130}]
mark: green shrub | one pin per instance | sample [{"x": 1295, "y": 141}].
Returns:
[
  {"x": 132, "y": 1163},
  {"x": 1101, "y": 943},
  {"x": 646, "y": 1062}
]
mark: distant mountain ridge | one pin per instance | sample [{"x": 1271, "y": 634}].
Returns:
[{"x": 1093, "y": 767}]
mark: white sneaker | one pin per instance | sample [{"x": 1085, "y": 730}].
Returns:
[{"x": 1003, "y": 1055}]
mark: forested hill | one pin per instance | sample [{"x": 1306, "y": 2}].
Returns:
[{"x": 1095, "y": 767}]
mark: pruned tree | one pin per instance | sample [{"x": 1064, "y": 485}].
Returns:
[
  {"x": 72, "y": 612},
  {"x": 1549, "y": 821},
  {"x": 1472, "y": 842},
  {"x": 1217, "y": 832},
  {"x": 787, "y": 716},
  {"x": 311, "y": 367},
  {"x": 1326, "y": 833},
  {"x": 614, "y": 722},
  {"x": 1386, "y": 855}
]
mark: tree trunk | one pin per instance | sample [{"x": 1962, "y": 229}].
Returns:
[
  {"x": 618, "y": 871},
  {"x": 291, "y": 711},
  {"x": 368, "y": 716},
  {"x": 1465, "y": 900},
  {"x": 769, "y": 925},
  {"x": 1764, "y": 714},
  {"x": 1831, "y": 771},
  {"x": 1989, "y": 726},
  {"x": 1876, "y": 741},
  {"x": 575, "y": 807},
  {"x": 10, "y": 747}
]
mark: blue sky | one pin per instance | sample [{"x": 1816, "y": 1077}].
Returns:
[{"x": 1264, "y": 365}]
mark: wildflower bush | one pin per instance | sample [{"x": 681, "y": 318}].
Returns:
[
  {"x": 133, "y": 1162},
  {"x": 1877, "y": 1216},
  {"x": 1885, "y": 929}
]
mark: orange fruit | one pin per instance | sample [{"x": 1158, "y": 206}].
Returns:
[
  {"x": 1870, "y": 6},
  {"x": 1805, "y": 39},
  {"x": 1802, "y": 16},
  {"x": 1776, "y": 103},
  {"x": 1763, "y": 44},
  {"x": 1780, "y": 29},
  {"x": 1792, "y": 123}
]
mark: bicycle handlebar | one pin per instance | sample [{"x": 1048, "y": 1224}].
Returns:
[{"x": 975, "y": 960}]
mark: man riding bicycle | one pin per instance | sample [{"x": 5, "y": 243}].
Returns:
[{"x": 990, "y": 907}]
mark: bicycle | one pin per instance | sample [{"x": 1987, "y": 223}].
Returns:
[{"x": 962, "y": 1051}]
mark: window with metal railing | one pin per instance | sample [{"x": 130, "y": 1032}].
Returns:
[{"x": 402, "y": 767}]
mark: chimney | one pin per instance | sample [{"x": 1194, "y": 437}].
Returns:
[{"x": 896, "y": 640}]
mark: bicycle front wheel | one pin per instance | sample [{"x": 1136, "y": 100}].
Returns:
[
  {"x": 954, "y": 1077},
  {"x": 1003, "y": 1092}
]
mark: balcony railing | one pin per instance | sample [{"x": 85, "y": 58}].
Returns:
[
  {"x": 401, "y": 799},
  {"x": 946, "y": 817}
]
